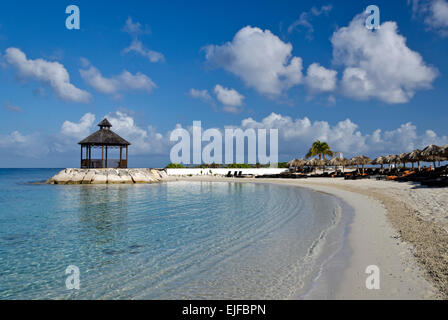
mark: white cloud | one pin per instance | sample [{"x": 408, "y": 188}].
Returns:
[
  {"x": 231, "y": 99},
  {"x": 95, "y": 79},
  {"x": 51, "y": 73},
  {"x": 435, "y": 14},
  {"x": 23, "y": 145},
  {"x": 135, "y": 29},
  {"x": 144, "y": 140},
  {"x": 200, "y": 94},
  {"x": 137, "y": 47},
  {"x": 231, "y": 109},
  {"x": 379, "y": 64},
  {"x": 81, "y": 129},
  {"x": 296, "y": 136},
  {"x": 124, "y": 81},
  {"x": 228, "y": 97},
  {"x": 260, "y": 58},
  {"x": 320, "y": 79},
  {"x": 139, "y": 81},
  {"x": 438, "y": 17},
  {"x": 306, "y": 18},
  {"x": 84, "y": 62}
]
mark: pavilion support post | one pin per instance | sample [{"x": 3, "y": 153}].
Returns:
[
  {"x": 87, "y": 157},
  {"x": 106, "y": 158},
  {"x": 102, "y": 156},
  {"x": 81, "y": 156},
  {"x": 127, "y": 160},
  {"x": 121, "y": 157}
]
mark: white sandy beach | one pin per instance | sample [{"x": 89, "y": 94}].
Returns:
[{"x": 399, "y": 227}]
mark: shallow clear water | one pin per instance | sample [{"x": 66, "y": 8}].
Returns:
[{"x": 184, "y": 240}]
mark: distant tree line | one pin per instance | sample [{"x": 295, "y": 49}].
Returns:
[{"x": 224, "y": 166}]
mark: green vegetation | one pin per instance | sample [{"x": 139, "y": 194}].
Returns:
[
  {"x": 174, "y": 166},
  {"x": 320, "y": 149},
  {"x": 239, "y": 165},
  {"x": 283, "y": 165},
  {"x": 229, "y": 166}
]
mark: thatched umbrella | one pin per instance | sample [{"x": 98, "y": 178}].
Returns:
[
  {"x": 339, "y": 161},
  {"x": 404, "y": 158},
  {"x": 363, "y": 160},
  {"x": 415, "y": 156},
  {"x": 315, "y": 163},
  {"x": 335, "y": 162},
  {"x": 296, "y": 163},
  {"x": 380, "y": 160},
  {"x": 396, "y": 160},
  {"x": 391, "y": 159},
  {"x": 344, "y": 163},
  {"x": 301, "y": 163},
  {"x": 433, "y": 153},
  {"x": 293, "y": 163},
  {"x": 355, "y": 161}
]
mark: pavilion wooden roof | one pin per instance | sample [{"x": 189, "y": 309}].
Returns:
[{"x": 104, "y": 137}]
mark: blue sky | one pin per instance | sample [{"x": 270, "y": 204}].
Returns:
[{"x": 152, "y": 65}]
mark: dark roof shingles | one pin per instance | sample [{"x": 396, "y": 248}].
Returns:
[
  {"x": 105, "y": 123},
  {"x": 105, "y": 137}
]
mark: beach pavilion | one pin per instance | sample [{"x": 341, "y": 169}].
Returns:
[{"x": 105, "y": 140}]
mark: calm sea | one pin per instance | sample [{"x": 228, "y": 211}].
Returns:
[{"x": 175, "y": 240}]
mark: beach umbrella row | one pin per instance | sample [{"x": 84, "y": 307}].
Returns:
[
  {"x": 296, "y": 163},
  {"x": 431, "y": 153},
  {"x": 434, "y": 153},
  {"x": 415, "y": 156}
]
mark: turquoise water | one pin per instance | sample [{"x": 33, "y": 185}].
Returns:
[{"x": 175, "y": 240}]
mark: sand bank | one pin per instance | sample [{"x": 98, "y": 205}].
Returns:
[{"x": 398, "y": 227}]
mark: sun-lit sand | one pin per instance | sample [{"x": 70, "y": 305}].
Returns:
[{"x": 400, "y": 227}]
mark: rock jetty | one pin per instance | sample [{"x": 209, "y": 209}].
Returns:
[{"x": 108, "y": 176}]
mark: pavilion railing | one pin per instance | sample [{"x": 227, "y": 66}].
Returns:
[{"x": 98, "y": 163}]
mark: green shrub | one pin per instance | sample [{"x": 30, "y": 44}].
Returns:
[
  {"x": 174, "y": 166},
  {"x": 239, "y": 165},
  {"x": 282, "y": 165}
]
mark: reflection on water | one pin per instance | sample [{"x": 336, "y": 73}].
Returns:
[
  {"x": 102, "y": 212},
  {"x": 159, "y": 241}
]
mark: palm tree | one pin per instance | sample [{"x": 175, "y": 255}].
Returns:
[{"x": 320, "y": 149}]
